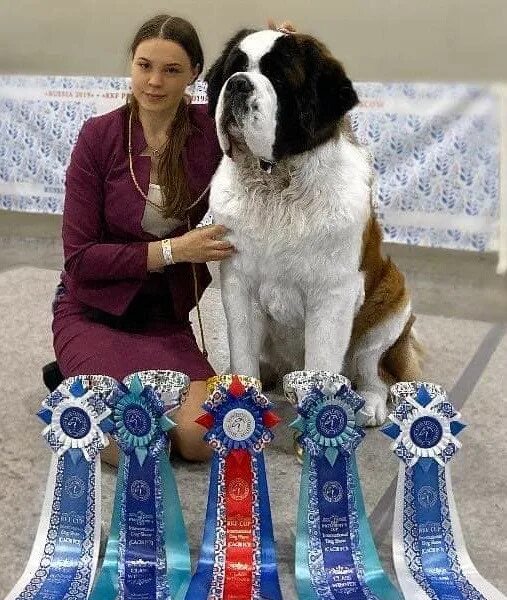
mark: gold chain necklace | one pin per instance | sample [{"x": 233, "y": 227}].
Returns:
[
  {"x": 156, "y": 152},
  {"x": 189, "y": 227},
  {"x": 150, "y": 202}
]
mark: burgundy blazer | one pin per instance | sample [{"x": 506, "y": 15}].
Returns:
[{"x": 105, "y": 247}]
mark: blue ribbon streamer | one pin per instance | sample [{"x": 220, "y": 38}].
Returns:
[
  {"x": 374, "y": 575},
  {"x": 176, "y": 544},
  {"x": 336, "y": 539},
  {"x": 303, "y": 577},
  {"x": 139, "y": 531},
  {"x": 201, "y": 581},
  {"x": 269, "y": 584},
  {"x": 436, "y": 571},
  {"x": 63, "y": 573},
  {"x": 175, "y": 538},
  {"x": 106, "y": 585},
  {"x": 352, "y": 549}
]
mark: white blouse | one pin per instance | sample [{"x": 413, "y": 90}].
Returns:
[{"x": 153, "y": 220}]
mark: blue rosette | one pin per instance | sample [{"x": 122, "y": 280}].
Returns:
[
  {"x": 335, "y": 554},
  {"x": 429, "y": 551},
  {"x": 238, "y": 559},
  {"x": 147, "y": 554},
  {"x": 64, "y": 556}
]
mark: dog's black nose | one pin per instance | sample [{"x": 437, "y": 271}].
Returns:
[{"x": 239, "y": 84}]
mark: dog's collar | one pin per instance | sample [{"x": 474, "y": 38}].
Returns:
[{"x": 266, "y": 165}]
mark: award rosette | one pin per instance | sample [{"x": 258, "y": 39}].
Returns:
[
  {"x": 238, "y": 560},
  {"x": 429, "y": 551},
  {"x": 65, "y": 552},
  {"x": 335, "y": 554},
  {"x": 147, "y": 555}
]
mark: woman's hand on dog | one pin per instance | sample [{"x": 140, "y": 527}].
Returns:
[
  {"x": 285, "y": 27},
  {"x": 202, "y": 245}
]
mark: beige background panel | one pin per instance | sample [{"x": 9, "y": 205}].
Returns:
[{"x": 378, "y": 40}]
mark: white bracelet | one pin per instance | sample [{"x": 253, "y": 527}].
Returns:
[{"x": 167, "y": 252}]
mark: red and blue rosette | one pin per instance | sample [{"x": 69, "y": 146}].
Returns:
[{"x": 237, "y": 560}]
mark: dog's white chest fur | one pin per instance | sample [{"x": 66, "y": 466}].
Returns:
[{"x": 297, "y": 231}]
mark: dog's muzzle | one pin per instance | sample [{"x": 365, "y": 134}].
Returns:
[
  {"x": 239, "y": 85},
  {"x": 238, "y": 91}
]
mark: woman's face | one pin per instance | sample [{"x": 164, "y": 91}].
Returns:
[{"x": 161, "y": 71}]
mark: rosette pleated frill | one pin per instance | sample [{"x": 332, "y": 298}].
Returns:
[
  {"x": 237, "y": 560},
  {"x": 430, "y": 556},
  {"x": 64, "y": 556},
  {"x": 147, "y": 554},
  {"x": 335, "y": 554}
]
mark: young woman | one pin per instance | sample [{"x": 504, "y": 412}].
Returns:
[{"x": 136, "y": 187}]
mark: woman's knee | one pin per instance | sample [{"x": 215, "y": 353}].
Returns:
[
  {"x": 187, "y": 441},
  {"x": 187, "y": 436}
]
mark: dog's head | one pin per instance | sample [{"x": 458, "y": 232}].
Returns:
[{"x": 276, "y": 94}]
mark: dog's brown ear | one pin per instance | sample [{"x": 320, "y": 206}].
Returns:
[{"x": 215, "y": 77}]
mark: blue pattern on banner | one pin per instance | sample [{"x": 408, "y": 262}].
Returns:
[
  {"x": 40, "y": 118},
  {"x": 442, "y": 165}
]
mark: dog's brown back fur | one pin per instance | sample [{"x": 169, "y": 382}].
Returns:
[{"x": 386, "y": 294}]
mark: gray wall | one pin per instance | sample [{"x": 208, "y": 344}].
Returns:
[{"x": 378, "y": 40}]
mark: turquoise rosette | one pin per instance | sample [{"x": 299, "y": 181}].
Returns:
[
  {"x": 327, "y": 419},
  {"x": 335, "y": 551},
  {"x": 147, "y": 554},
  {"x": 139, "y": 413}
]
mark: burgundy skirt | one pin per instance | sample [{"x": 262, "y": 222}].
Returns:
[{"x": 89, "y": 342}]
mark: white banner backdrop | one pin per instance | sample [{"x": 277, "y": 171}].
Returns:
[{"x": 436, "y": 150}]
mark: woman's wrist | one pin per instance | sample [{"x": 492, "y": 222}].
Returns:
[
  {"x": 177, "y": 249},
  {"x": 159, "y": 258},
  {"x": 155, "y": 261}
]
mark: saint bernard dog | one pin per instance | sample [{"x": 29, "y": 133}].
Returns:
[{"x": 308, "y": 287}]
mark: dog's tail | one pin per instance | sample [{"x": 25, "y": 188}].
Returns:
[{"x": 403, "y": 360}]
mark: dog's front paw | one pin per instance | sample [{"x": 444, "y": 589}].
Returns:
[{"x": 374, "y": 411}]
